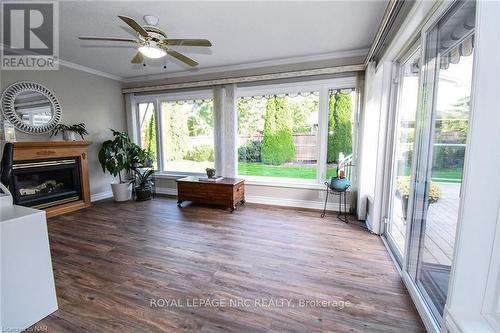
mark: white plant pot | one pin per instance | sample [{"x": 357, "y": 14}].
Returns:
[
  {"x": 69, "y": 136},
  {"x": 122, "y": 191}
]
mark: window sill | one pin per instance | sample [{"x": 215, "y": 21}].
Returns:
[
  {"x": 282, "y": 182},
  {"x": 254, "y": 181},
  {"x": 176, "y": 175}
]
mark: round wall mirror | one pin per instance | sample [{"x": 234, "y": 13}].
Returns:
[{"x": 31, "y": 107}]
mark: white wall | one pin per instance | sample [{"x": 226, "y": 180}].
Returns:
[{"x": 84, "y": 97}]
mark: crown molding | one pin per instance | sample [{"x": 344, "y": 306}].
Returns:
[
  {"x": 247, "y": 78},
  {"x": 83, "y": 68},
  {"x": 218, "y": 69},
  {"x": 251, "y": 65},
  {"x": 90, "y": 70}
]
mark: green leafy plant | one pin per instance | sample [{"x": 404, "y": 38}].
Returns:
[
  {"x": 403, "y": 189},
  {"x": 79, "y": 129},
  {"x": 140, "y": 156},
  {"x": 143, "y": 178},
  {"x": 277, "y": 144},
  {"x": 117, "y": 155}
]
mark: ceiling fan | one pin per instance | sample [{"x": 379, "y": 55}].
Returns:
[{"x": 153, "y": 42}]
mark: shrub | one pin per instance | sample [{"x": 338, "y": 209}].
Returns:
[
  {"x": 200, "y": 153},
  {"x": 277, "y": 144},
  {"x": 250, "y": 151},
  {"x": 339, "y": 126},
  {"x": 175, "y": 133},
  {"x": 330, "y": 153},
  {"x": 150, "y": 143}
]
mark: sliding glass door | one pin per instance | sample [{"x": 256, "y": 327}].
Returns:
[
  {"x": 441, "y": 149},
  {"x": 402, "y": 157}
]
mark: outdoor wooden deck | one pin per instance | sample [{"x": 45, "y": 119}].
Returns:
[{"x": 440, "y": 227}]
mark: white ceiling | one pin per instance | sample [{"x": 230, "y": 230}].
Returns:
[{"x": 241, "y": 32}]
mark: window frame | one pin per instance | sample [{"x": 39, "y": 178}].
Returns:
[
  {"x": 414, "y": 47},
  {"x": 323, "y": 87},
  {"x": 158, "y": 99}
]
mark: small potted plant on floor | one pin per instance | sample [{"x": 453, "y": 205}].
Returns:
[
  {"x": 115, "y": 157},
  {"x": 69, "y": 131},
  {"x": 143, "y": 183}
]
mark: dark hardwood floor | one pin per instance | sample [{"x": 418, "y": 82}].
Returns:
[{"x": 111, "y": 260}]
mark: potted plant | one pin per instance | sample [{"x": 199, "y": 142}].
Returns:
[
  {"x": 403, "y": 192},
  {"x": 339, "y": 182},
  {"x": 69, "y": 131},
  {"x": 115, "y": 157},
  {"x": 140, "y": 157},
  {"x": 210, "y": 172},
  {"x": 143, "y": 183}
]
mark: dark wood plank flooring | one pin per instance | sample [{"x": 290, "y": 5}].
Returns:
[{"x": 112, "y": 259}]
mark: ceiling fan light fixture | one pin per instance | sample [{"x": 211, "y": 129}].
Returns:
[
  {"x": 151, "y": 20},
  {"x": 152, "y": 51}
]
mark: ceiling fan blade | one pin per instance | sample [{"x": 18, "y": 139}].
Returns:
[
  {"x": 189, "y": 42},
  {"x": 138, "y": 58},
  {"x": 112, "y": 39},
  {"x": 182, "y": 58},
  {"x": 134, "y": 25}
]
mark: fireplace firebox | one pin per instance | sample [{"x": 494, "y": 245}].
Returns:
[{"x": 46, "y": 183}]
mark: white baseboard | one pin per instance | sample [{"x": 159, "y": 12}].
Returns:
[
  {"x": 331, "y": 206},
  {"x": 101, "y": 196},
  {"x": 166, "y": 190}
]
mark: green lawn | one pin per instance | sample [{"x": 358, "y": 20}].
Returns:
[
  {"x": 447, "y": 176},
  {"x": 443, "y": 175},
  {"x": 258, "y": 169},
  {"x": 293, "y": 171},
  {"x": 309, "y": 172}
]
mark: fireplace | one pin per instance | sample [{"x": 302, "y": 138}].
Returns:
[
  {"x": 53, "y": 176},
  {"x": 46, "y": 183}
]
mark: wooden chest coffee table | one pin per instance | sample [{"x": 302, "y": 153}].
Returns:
[{"x": 227, "y": 192}]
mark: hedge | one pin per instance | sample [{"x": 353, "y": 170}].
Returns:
[
  {"x": 339, "y": 126},
  {"x": 175, "y": 134},
  {"x": 250, "y": 151},
  {"x": 201, "y": 153},
  {"x": 277, "y": 144}
]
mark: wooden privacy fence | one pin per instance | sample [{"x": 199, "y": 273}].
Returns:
[{"x": 306, "y": 148}]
